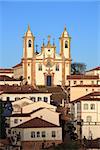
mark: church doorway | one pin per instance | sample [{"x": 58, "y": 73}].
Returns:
[{"x": 49, "y": 80}]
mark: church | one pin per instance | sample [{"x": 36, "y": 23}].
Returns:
[{"x": 46, "y": 68}]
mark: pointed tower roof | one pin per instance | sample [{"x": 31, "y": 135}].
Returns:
[
  {"x": 28, "y": 33},
  {"x": 65, "y": 33}
]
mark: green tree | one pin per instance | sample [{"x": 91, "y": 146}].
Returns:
[
  {"x": 70, "y": 130},
  {"x": 78, "y": 68},
  {"x": 2, "y": 121}
]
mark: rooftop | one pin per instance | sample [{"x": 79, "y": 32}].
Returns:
[{"x": 36, "y": 123}]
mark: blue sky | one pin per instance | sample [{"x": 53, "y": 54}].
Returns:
[{"x": 82, "y": 19}]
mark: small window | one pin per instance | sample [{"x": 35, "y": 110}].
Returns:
[
  {"x": 33, "y": 99},
  {"x": 48, "y": 50},
  {"x": 45, "y": 99},
  {"x": 8, "y": 98},
  {"x": 32, "y": 134},
  {"x": 57, "y": 67},
  {"x": 17, "y": 98},
  {"x": 53, "y": 134},
  {"x": 28, "y": 64},
  {"x": 75, "y": 82},
  {"x": 66, "y": 44},
  {"x": 88, "y": 118},
  {"x": 28, "y": 77},
  {"x": 69, "y": 83},
  {"x": 92, "y": 82},
  {"x": 40, "y": 67},
  {"x": 81, "y": 82},
  {"x": 85, "y": 106},
  {"x": 39, "y": 99},
  {"x": 92, "y": 106},
  {"x": 43, "y": 134},
  {"x": 86, "y": 90},
  {"x": 16, "y": 121},
  {"x": 38, "y": 134},
  {"x": 29, "y": 43}
]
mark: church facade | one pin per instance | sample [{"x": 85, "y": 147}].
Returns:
[{"x": 46, "y": 68}]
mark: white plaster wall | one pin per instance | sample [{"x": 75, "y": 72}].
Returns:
[
  {"x": 7, "y": 74},
  {"x": 27, "y": 134},
  {"x": 29, "y": 73},
  {"x": 95, "y": 130},
  {"x": 57, "y": 74},
  {"x": 40, "y": 75},
  {"x": 77, "y": 92},
  {"x": 10, "y": 82},
  {"x": 85, "y": 82},
  {"x": 36, "y": 105},
  {"x": 13, "y": 96},
  {"x": 18, "y": 72}
]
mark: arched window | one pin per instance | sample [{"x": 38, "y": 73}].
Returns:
[
  {"x": 57, "y": 67},
  {"x": 29, "y": 43},
  {"x": 66, "y": 44},
  {"x": 40, "y": 67}
]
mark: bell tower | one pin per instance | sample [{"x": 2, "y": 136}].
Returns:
[
  {"x": 65, "y": 40},
  {"x": 28, "y": 56},
  {"x": 65, "y": 44}
]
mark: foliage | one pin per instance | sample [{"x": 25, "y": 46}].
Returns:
[
  {"x": 78, "y": 68},
  {"x": 70, "y": 130},
  {"x": 2, "y": 122}
]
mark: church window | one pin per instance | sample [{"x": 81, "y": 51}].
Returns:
[
  {"x": 48, "y": 50},
  {"x": 40, "y": 67},
  {"x": 66, "y": 44},
  {"x": 29, "y": 43},
  {"x": 57, "y": 67}
]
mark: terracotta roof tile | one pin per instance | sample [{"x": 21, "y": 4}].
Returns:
[
  {"x": 18, "y": 65},
  {"x": 36, "y": 123},
  {"x": 6, "y": 70},
  {"x": 96, "y": 68},
  {"x": 92, "y": 85},
  {"x": 14, "y": 89},
  {"x": 82, "y": 77},
  {"x": 7, "y": 78}
]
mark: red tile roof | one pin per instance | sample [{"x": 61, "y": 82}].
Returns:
[
  {"x": 92, "y": 85},
  {"x": 7, "y": 78},
  {"x": 6, "y": 70},
  {"x": 18, "y": 65},
  {"x": 96, "y": 68},
  {"x": 82, "y": 77},
  {"x": 16, "y": 89},
  {"x": 94, "y": 96},
  {"x": 36, "y": 123}
]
